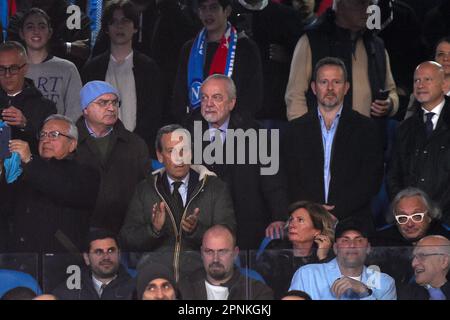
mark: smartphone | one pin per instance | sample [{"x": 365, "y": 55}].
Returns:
[
  {"x": 382, "y": 95},
  {"x": 5, "y": 136}
]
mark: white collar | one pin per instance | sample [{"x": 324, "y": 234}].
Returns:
[
  {"x": 129, "y": 56},
  {"x": 184, "y": 180},
  {"x": 437, "y": 110}
]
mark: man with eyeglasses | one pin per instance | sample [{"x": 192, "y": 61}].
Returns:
[
  {"x": 415, "y": 216},
  {"x": 136, "y": 77},
  {"x": 103, "y": 277},
  {"x": 54, "y": 196},
  {"x": 431, "y": 263},
  {"x": 220, "y": 279},
  {"x": 22, "y": 105},
  {"x": 346, "y": 277},
  {"x": 119, "y": 155}
]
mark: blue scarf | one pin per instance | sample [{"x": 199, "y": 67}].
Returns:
[
  {"x": 197, "y": 59},
  {"x": 13, "y": 170}
]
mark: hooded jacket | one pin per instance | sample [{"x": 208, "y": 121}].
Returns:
[{"x": 205, "y": 191}]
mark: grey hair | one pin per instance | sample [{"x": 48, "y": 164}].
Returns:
[
  {"x": 433, "y": 210},
  {"x": 329, "y": 61},
  {"x": 231, "y": 87},
  {"x": 14, "y": 45},
  {"x": 73, "y": 130},
  {"x": 165, "y": 130}
]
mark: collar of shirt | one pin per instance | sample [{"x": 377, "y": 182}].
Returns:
[
  {"x": 223, "y": 129},
  {"x": 98, "y": 284},
  {"x": 437, "y": 112},
  {"x": 259, "y": 6},
  {"x": 92, "y": 133},
  {"x": 129, "y": 56},
  {"x": 183, "y": 188},
  {"x": 335, "y": 120},
  {"x": 14, "y": 94}
]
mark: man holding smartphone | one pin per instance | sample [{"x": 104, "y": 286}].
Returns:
[{"x": 24, "y": 107}]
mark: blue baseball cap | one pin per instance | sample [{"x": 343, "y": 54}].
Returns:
[{"x": 94, "y": 89}]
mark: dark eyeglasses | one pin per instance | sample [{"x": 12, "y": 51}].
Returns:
[
  {"x": 13, "y": 70},
  {"x": 416, "y": 217},
  {"x": 52, "y": 135},
  {"x": 104, "y": 103}
]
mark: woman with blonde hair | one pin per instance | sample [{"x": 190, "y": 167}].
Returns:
[{"x": 309, "y": 237}]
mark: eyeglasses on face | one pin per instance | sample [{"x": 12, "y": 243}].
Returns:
[
  {"x": 416, "y": 217},
  {"x": 13, "y": 70},
  {"x": 422, "y": 256},
  {"x": 104, "y": 103},
  {"x": 52, "y": 135}
]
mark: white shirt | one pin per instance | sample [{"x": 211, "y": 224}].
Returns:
[
  {"x": 120, "y": 75},
  {"x": 98, "y": 285},
  {"x": 222, "y": 130},
  {"x": 183, "y": 189},
  {"x": 216, "y": 292},
  {"x": 437, "y": 112}
]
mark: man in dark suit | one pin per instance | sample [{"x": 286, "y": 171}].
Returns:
[
  {"x": 421, "y": 153},
  {"x": 259, "y": 197},
  {"x": 333, "y": 154}
]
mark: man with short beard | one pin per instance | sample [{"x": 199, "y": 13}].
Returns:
[
  {"x": 220, "y": 280},
  {"x": 105, "y": 278},
  {"x": 333, "y": 154}
]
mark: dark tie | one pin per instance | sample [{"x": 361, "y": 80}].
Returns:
[
  {"x": 429, "y": 123},
  {"x": 436, "y": 293},
  {"x": 177, "y": 196},
  {"x": 102, "y": 287}
]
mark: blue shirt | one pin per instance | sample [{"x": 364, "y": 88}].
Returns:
[
  {"x": 327, "y": 141},
  {"x": 317, "y": 280},
  {"x": 92, "y": 133}
]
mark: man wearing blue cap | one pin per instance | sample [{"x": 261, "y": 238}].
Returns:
[{"x": 120, "y": 155}]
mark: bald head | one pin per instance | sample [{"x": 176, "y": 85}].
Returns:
[
  {"x": 219, "y": 232},
  {"x": 429, "y": 84},
  {"x": 441, "y": 243},
  {"x": 45, "y": 297}
]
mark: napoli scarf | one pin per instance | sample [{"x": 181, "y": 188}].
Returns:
[
  {"x": 12, "y": 164},
  {"x": 222, "y": 62}
]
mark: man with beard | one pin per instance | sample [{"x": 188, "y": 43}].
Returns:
[
  {"x": 333, "y": 155},
  {"x": 221, "y": 280},
  {"x": 104, "y": 278},
  {"x": 345, "y": 277}
]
